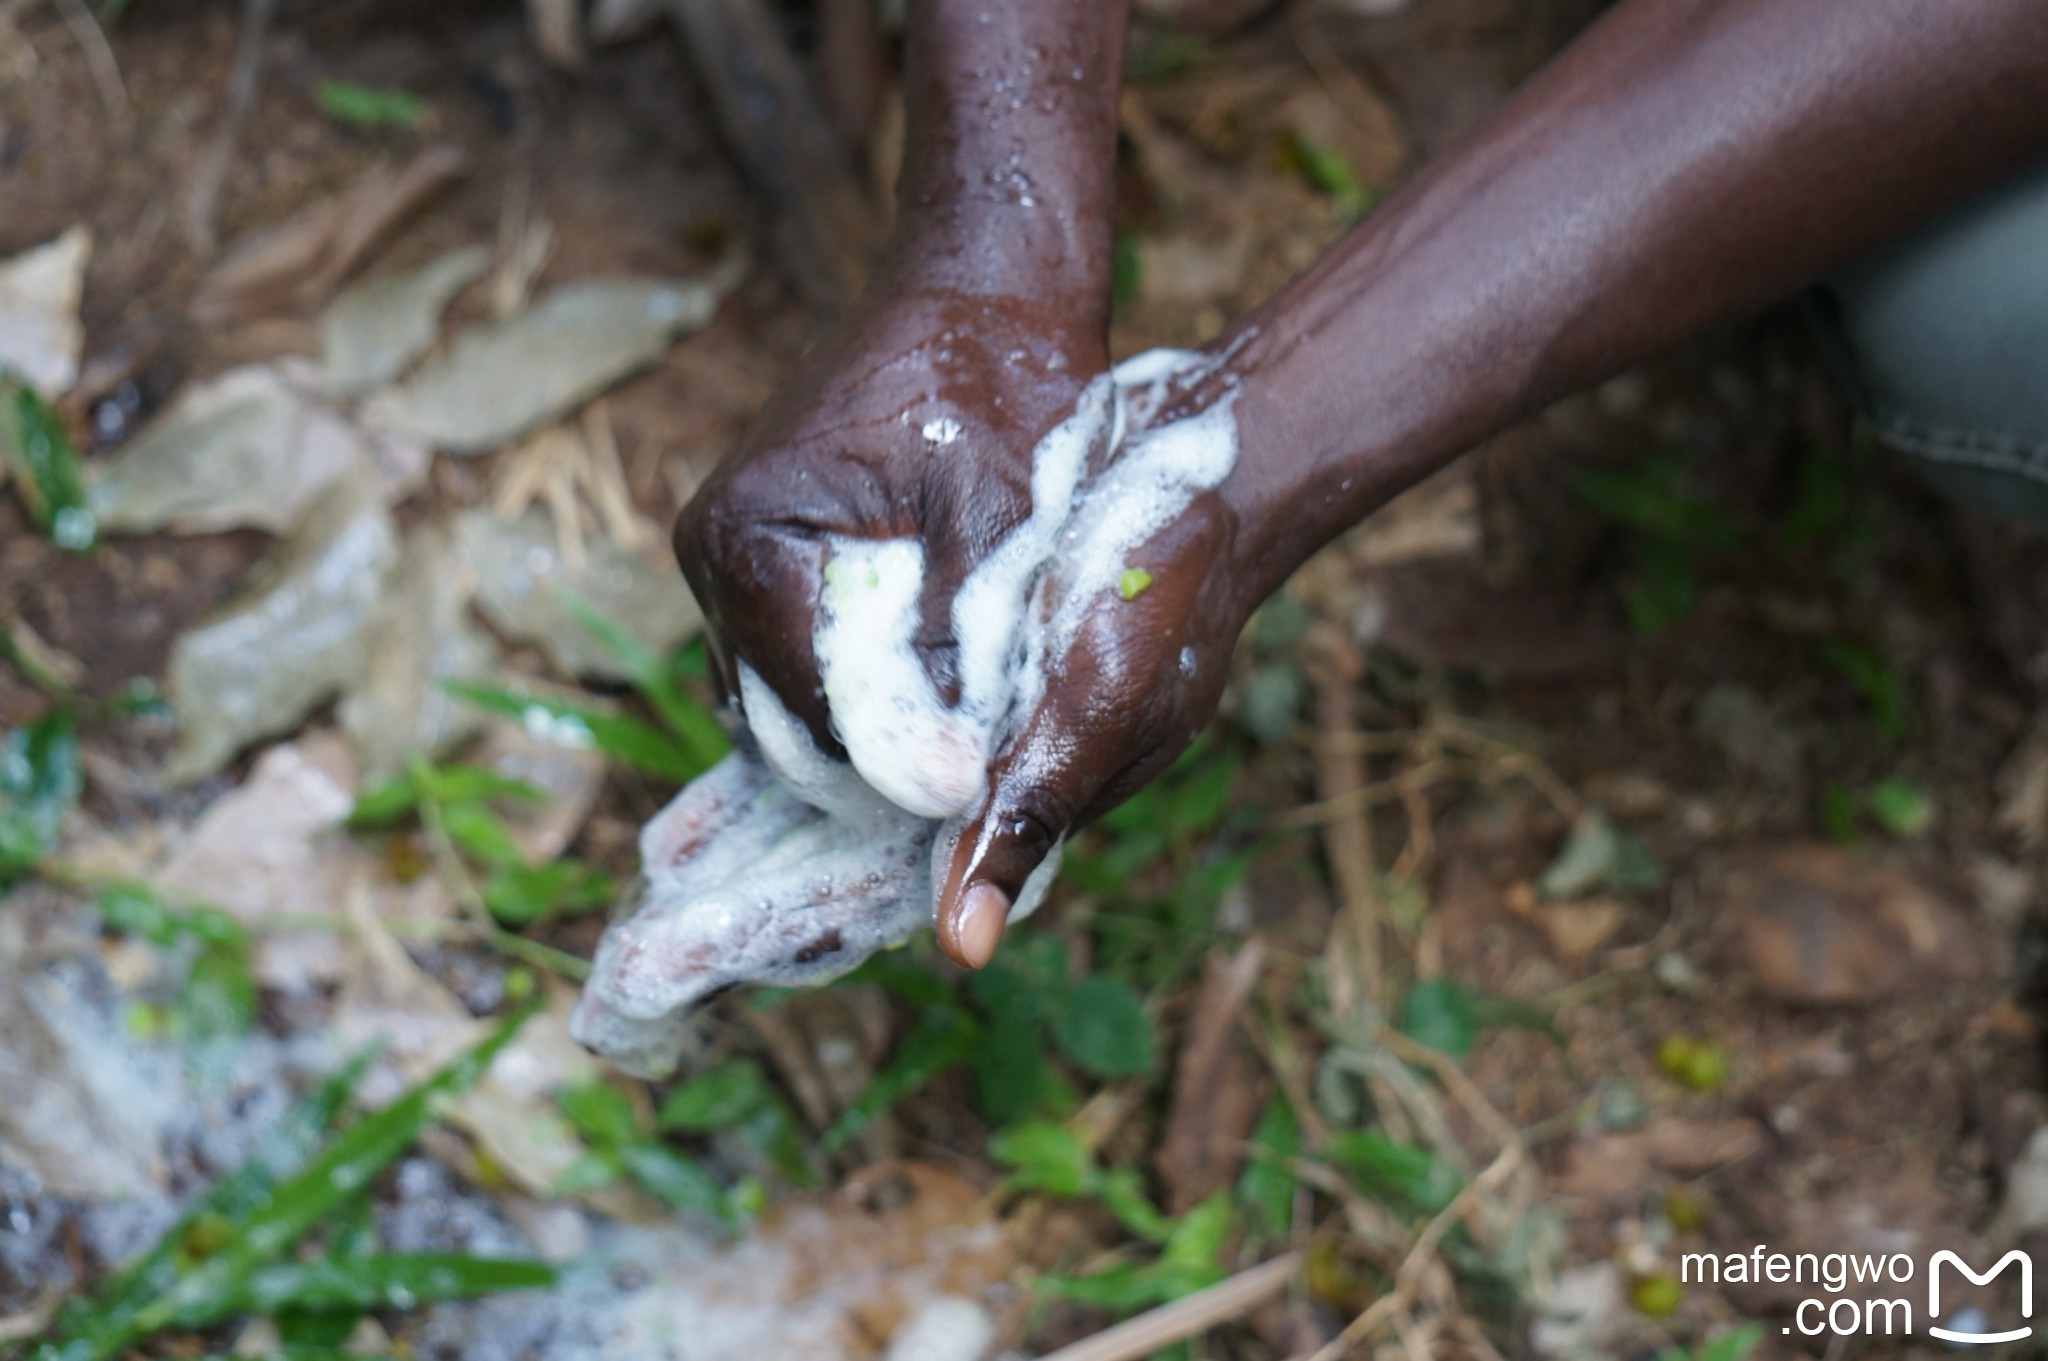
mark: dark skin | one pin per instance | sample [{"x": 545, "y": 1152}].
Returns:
[{"x": 1685, "y": 161}]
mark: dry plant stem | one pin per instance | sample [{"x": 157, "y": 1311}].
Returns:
[
  {"x": 1169, "y": 1323},
  {"x": 203, "y": 204},
  {"x": 1345, "y": 86},
  {"x": 99, "y": 59},
  {"x": 1457, "y": 1083},
  {"x": 449, "y": 863},
  {"x": 1361, "y": 797},
  {"x": 1277, "y": 1049},
  {"x": 1421, "y": 1256},
  {"x": 1353, "y": 954}
]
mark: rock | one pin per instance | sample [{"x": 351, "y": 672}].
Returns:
[
  {"x": 273, "y": 846},
  {"x": 522, "y": 574},
  {"x": 1583, "y": 1314},
  {"x": 377, "y": 329},
  {"x": 1821, "y": 924},
  {"x": 291, "y": 643},
  {"x": 421, "y": 636},
  {"x": 250, "y": 448},
  {"x": 500, "y": 381},
  {"x": 40, "y": 334}
]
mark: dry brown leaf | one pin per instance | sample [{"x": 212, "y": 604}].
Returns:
[
  {"x": 298, "y": 262},
  {"x": 1821, "y": 924},
  {"x": 1617, "y": 1166}
]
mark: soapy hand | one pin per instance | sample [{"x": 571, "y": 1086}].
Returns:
[
  {"x": 1127, "y": 645},
  {"x": 1096, "y": 638},
  {"x": 908, "y": 435}
]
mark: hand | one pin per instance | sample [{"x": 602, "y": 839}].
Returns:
[
  {"x": 914, "y": 425},
  {"x": 1127, "y": 650}
]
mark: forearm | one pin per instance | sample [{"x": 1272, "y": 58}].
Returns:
[
  {"x": 1009, "y": 164},
  {"x": 1685, "y": 161}
]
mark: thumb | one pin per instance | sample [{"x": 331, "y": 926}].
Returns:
[{"x": 996, "y": 864}]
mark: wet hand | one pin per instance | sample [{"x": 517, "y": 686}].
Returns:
[{"x": 913, "y": 426}]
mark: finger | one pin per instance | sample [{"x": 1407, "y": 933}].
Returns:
[
  {"x": 994, "y": 867},
  {"x": 920, "y": 638},
  {"x": 757, "y": 584}
]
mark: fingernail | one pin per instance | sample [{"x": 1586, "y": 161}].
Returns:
[{"x": 978, "y": 925}]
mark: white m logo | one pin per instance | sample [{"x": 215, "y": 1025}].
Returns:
[{"x": 1934, "y": 1295}]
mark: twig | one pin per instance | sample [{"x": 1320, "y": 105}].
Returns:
[
  {"x": 99, "y": 59},
  {"x": 1353, "y": 956},
  {"x": 203, "y": 203},
  {"x": 1169, "y": 1323},
  {"x": 1356, "y": 801},
  {"x": 1360, "y": 105},
  {"x": 449, "y": 861},
  {"x": 1421, "y": 1256}
]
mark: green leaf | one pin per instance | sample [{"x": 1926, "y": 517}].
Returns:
[
  {"x": 1011, "y": 1077},
  {"x": 944, "y": 1038},
  {"x": 1733, "y": 1345},
  {"x": 1267, "y": 1185},
  {"x": 46, "y": 467},
  {"x": 1413, "y": 1178},
  {"x": 891, "y": 972},
  {"x": 1197, "y": 1241},
  {"x": 717, "y": 1098},
  {"x": 1650, "y": 498},
  {"x": 519, "y": 894},
  {"x": 1124, "y": 1194},
  {"x": 675, "y": 1180},
  {"x": 446, "y": 785},
  {"x": 1839, "y": 807},
  {"x": 219, "y": 996},
  {"x": 365, "y": 106},
  {"x": 1441, "y": 1015},
  {"x": 1901, "y": 807},
  {"x": 570, "y": 724},
  {"x": 601, "y": 1113},
  {"x": 1126, "y": 269},
  {"x": 1197, "y": 803},
  {"x": 1044, "y": 1157},
  {"x": 136, "y": 910},
  {"x": 39, "y": 784},
  {"x": 595, "y": 1170},
  {"x": 1133, "y": 583},
  {"x": 1874, "y": 677},
  {"x": 481, "y": 834},
  {"x": 1102, "y": 1026},
  {"x": 1598, "y": 855}
]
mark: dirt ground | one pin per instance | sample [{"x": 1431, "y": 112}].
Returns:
[{"x": 1798, "y": 1006}]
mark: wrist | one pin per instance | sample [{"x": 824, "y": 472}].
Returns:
[{"x": 1008, "y": 177}]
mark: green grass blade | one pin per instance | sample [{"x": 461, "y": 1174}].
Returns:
[
  {"x": 390, "y": 1280},
  {"x": 571, "y": 724},
  {"x": 341, "y": 1169},
  {"x": 945, "y": 1036},
  {"x": 88, "y": 1326}
]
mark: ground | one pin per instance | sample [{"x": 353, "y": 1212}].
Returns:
[{"x": 1639, "y": 825}]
